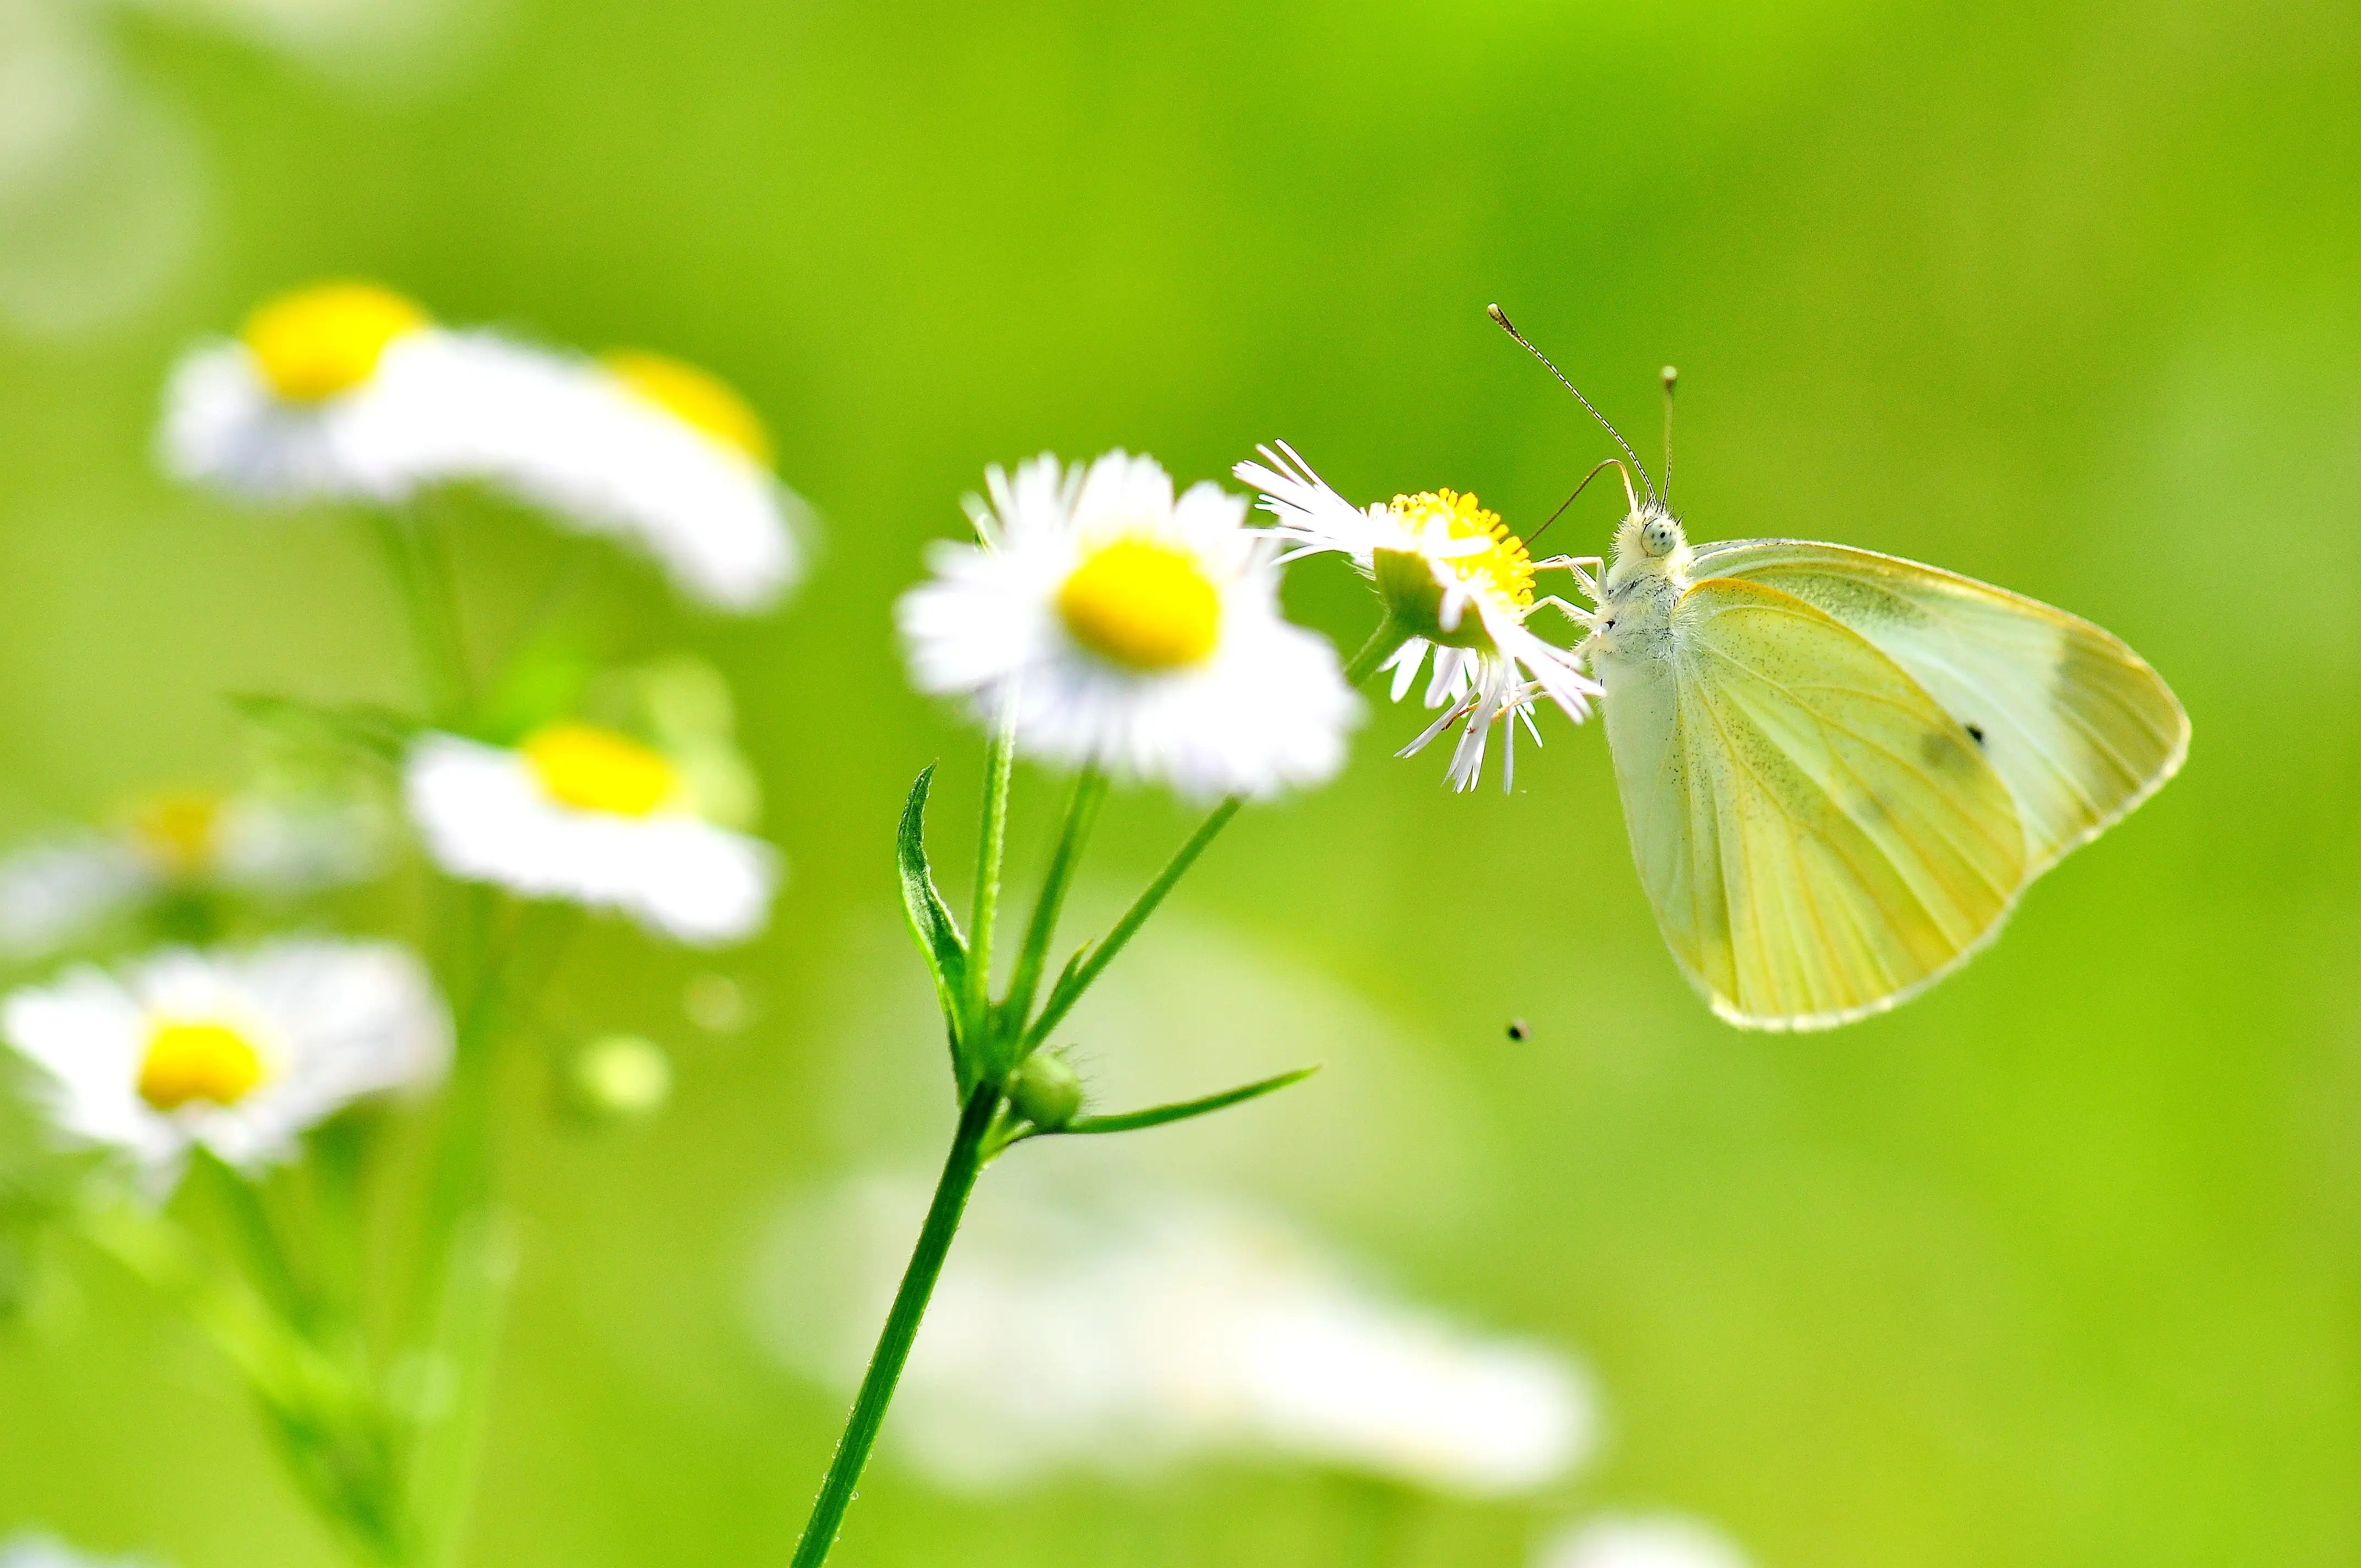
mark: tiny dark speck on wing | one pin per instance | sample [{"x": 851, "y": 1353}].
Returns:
[{"x": 1976, "y": 730}]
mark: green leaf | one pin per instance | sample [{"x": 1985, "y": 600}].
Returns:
[
  {"x": 930, "y": 919},
  {"x": 373, "y": 730},
  {"x": 1158, "y": 1115}
]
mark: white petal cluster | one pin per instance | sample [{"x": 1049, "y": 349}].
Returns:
[
  {"x": 486, "y": 816},
  {"x": 331, "y": 1022},
  {"x": 1116, "y": 1332},
  {"x": 1642, "y": 1540},
  {"x": 55, "y": 891},
  {"x": 553, "y": 430},
  {"x": 1264, "y": 708},
  {"x": 1478, "y": 685}
]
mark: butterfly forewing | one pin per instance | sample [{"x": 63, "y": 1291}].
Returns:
[
  {"x": 2077, "y": 724},
  {"x": 1818, "y": 836}
]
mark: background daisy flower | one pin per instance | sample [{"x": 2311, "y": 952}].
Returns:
[
  {"x": 1121, "y": 1328},
  {"x": 1642, "y": 1540},
  {"x": 1459, "y": 582},
  {"x": 589, "y": 815},
  {"x": 1122, "y": 628},
  {"x": 350, "y": 392},
  {"x": 54, "y": 892},
  {"x": 237, "y": 1051}
]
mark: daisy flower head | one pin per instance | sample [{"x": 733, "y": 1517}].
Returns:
[
  {"x": 1452, "y": 574},
  {"x": 261, "y": 843},
  {"x": 237, "y": 1051},
  {"x": 665, "y": 457},
  {"x": 1118, "y": 627},
  {"x": 341, "y": 391},
  {"x": 350, "y": 392},
  {"x": 594, "y": 816}
]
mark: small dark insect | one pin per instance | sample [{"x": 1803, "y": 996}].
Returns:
[
  {"x": 1517, "y": 1030},
  {"x": 1977, "y": 732}
]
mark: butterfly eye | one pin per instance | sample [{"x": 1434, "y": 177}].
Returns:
[{"x": 1658, "y": 535}]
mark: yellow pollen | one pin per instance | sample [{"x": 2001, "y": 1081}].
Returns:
[
  {"x": 598, "y": 769},
  {"x": 188, "y": 1061},
  {"x": 1144, "y": 605},
  {"x": 318, "y": 343},
  {"x": 702, "y": 402},
  {"x": 1446, "y": 516},
  {"x": 179, "y": 832}
]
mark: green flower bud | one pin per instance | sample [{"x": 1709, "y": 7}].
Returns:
[
  {"x": 1046, "y": 1091},
  {"x": 617, "y": 1078},
  {"x": 1406, "y": 582}
]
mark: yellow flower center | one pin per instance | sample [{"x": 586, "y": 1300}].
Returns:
[
  {"x": 320, "y": 342},
  {"x": 703, "y": 402},
  {"x": 1144, "y": 605},
  {"x": 597, "y": 770},
  {"x": 1448, "y": 527},
  {"x": 179, "y": 832},
  {"x": 188, "y": 1061}
]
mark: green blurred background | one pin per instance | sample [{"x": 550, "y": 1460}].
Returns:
[{"x": 2055, "y": 1267}]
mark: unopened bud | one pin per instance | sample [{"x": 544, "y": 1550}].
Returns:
[
  {"x": 618, "y": 1078},
  {"x": 1046, "y": 1091}
]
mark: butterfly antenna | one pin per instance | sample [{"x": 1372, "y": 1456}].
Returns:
[
  {"x": 1604, "y": 462},
  {"x": 1501, "y": 317},
  {"x": 1672, "y": 379}
]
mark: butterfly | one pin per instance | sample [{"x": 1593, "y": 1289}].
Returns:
[{"x": 1839, "y": 770}]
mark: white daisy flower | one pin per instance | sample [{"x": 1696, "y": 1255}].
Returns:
[
  {"x": 1129, "y": 631},
  {"x": 1452, "y": 573},
  {"x": 1107, "y": 1329},
  {"x": 56, "y": 890},
  {"x": 1642, "y": 1540},
  {"x": 579, "y": 813},
  {"x": 240, "y": 1052},
  {"x": 660, "y": 453},
  {"x": 350, "y": 392}
]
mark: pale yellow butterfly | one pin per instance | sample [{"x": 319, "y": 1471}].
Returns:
[{"x": 1840, "y": 768}]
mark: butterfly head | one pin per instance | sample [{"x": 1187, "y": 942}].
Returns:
[{"x": 1649, "y": 543}]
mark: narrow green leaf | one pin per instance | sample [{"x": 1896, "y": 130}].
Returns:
[
  {"x": 931, "y": 924},
  {"x": 1158, "y": 1115}
]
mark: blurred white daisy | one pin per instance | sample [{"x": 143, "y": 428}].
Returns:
[
  {"x": 348, "y": 392},
  {"x": 1640, "y": 1540},
  {"x": 1130, "y": 631},
  {"x": 55, "y": 891},
  {"x": 664, "y": 454},
  {"x": 1112, "y": 1332},
  {"x": 34, "y": 1549},
  {"x": 1451, "y": 573},
  {"x": 589, "y": 815},
  {"x": 238, "y": 1051}
]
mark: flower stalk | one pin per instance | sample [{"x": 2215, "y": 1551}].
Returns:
[{"x": 992, "y": 1043}]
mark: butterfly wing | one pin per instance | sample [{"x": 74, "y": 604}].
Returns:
[
  {"x": 2079, "y": 725},
  {"x": 1819, "y": 837}
]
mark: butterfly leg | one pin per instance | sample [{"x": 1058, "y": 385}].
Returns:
[
  {"x": 1587, "y": 619},
  {"x": 1583, "y": 567}
]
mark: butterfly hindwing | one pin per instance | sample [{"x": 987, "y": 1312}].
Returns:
[
  {"x": 1818, "y": 836},
  {"x": 2077, "y": 724}
]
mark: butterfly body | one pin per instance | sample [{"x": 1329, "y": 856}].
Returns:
[{"x": 1839, "y": 769}]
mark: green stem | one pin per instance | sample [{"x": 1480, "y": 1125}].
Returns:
[
  {"x": 991, "y": 842},
  {"x": 1380, "y": 647},
  {"x": 1069, "y": 989},
  {"x": 1081, "y": 813},
  {"x": 959, "y": 1171},
  {"x": 429, "y": 601}
]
